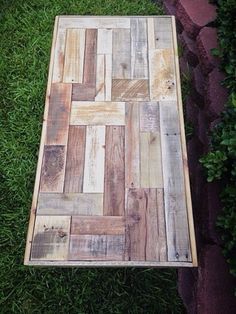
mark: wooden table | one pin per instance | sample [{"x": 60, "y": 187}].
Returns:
[{"x": 112, "y": 184}]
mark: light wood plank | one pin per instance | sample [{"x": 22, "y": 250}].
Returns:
[
  {"x": 149, "y": 117},
  {"x": 132, "y": 146},
  {"x": 108, "y": 76},
  {"x": 90, "y": 57},
  {"x": 95, "y": 22},
  {"x": 151, "y": 34},
  {"x": 58, "y": 114},
  {"x": 74, "y": 56},
  {"x": 70, "y": 204},
  {"x": 162, "y": 75},
  {"x": 53, "y": 169},
  {"x": 59, "y": 55},
  {"x": 94, "y": 160},
  {"x": 150, "y": 160},
  {"x": 100, "y": 78},
  {"x": 121, "y": 61},
  {"x": 97, "y": 113},
  {"x": 139, "y": 60},
  {"x": 98, "y": 225},
  {"x": 114, "y": 193},
  {"x": 104, "y": 41},
  {"x": 75, "y": 160},
  {"x": 51, "y": 238},
  {"x": 130, "y": 90},
  {"x": 97, "y": 247},
  {"x": 163, "y": 32},
  {"x": 174, "y": 188}
]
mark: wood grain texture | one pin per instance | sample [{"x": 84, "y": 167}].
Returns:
[
  {"x": 93, "y": 22},
  {"x": 104, "y": 41},
  {"x": 130, "y": 90},
  {"x": 163, "y": 32},
  {"x": 97, "y": 247},
  {"x": 74, "y": 56},
  {"x": 97, "y": 113},
  {"x": 174, "y": 188},
  {"x": 51, "y": 238},
  {"x": 149, "y": 117},
  {"x": 121, "y": 47},
  {"x": 70, "y": 204},
  {"x": 98, "y": 225},
  {"x": 75, "y": 160},
  {"x": 90, "y": 55},
  {"x": 53, "y": 169},
  {"x": 82, "y": 92},
  {"x": 59, "y": 56},
  {"x": 132, "y": 146},
  {"x": 114, "y": 189},
  {"x": 151, "y": 34},
  {"x": 162, "y": 75},
  {"x": 139, "y": 59},
  {"x": 94, "y": 160},
  {"x": 100, "y": 78},
  {"x": 58, "y": 114}
]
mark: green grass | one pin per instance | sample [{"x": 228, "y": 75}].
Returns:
[{"x": 26, "y": 34}]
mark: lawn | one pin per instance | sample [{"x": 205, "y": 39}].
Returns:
[{"x": 26, "y": 34}]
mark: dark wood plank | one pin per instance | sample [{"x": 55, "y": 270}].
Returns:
[
  {"x": 53, "y": 169},
  {"x": 58, "y": 114},
  {"x": 75, "y": 160},
  {"x": 98, "y": 225},
  {"x": 90, "y": 57},
  {"x": 83, "y": 92},
  {"x": 114, "y": 196},
  {"x": 149, "y": 117},
  {"x": 97, "y": 247},
  {"x": 130, "y": 90}
]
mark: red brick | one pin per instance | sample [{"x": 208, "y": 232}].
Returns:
[
  {"x": 216, "y": 94},
  {"x": 195, "y": 14},
  {"x": 207, "y": 40},
  {"x": 190, "y": 49},
  {"x": 198, "y": 89}
]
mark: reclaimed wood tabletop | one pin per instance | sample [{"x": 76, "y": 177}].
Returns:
[{"x": 112, "y": 183}]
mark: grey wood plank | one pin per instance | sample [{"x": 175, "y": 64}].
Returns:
[{"x": 163, "y": 32}]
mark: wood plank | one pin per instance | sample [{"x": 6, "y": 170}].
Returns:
[
  {"x": 150, "y": 160},
  {"x": 58, "y": 114},
  {"x": 132, "y": 159},
  {"x": 149, "y": 117},
  {"x": 136, "y": 225},
  {"x": 114, "y": 190},
  {"x": 90, "y": 57},
  {"x": 156, "y": 248},
  {"x": 100, "y": 78},
  {"x": 98, "y": 225},
  {"x": 75, "y": 160},
  {"x": 121, "y": 61},
  {"x": 97, "y": 247},
  {"x": 162, "y": 75},
  {"x": 151, "y": 34},
  {"x": 174, "y": 188},
  {"x": 139, "y": 59},
  {"x": 130, "y": 90},
  {"x": 104, "y": 41},
  {"x": 94, "y": 160},
  {"x": 51, "y": 238},
  {"x": 163, "y": 32},
  {"x": 59, "y": 56},
  {"x": 70, "y": 204},
  {"x": 53, "y": 169},
  {"x": 93, "y": 22},
  {"x": 83, "y": 92},
  {"x": 108, "y": 76},
  {"x": 74, "y": 56},
  {"x": 97, "y": 113}
]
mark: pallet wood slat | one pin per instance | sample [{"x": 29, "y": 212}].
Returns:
[{"x": 112, "y": 186}]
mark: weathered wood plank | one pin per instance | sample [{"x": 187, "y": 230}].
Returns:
[
  {"x": 70, "y": 204},
  {"x": 174, "y": 188},
  {"x": 132, "y": 159},
  {"x": 149, "y": 117},
  {"x": 108, "y": 76},
  {"x": 94, "y": 22},
  {"x": 59, "y": 56},
  {"x": 139, "y": 59},
  {"x": 163, "y": 32},
  {"x": 114, "y": 190},
  {"x": 104, "y": 41},
  {"x": 90, "y": 57},
  {"x": 58, "y": 114},
  {"x": 82, "y": 92},
  {"x": 98, "y": 225},
  {"x": 151, "y": 34},
  {"x": 162, "y": 75},
  {"x": 51, "y": 238},
  {"x": 53, "y": 169},
  {"x": 100, "y": 78},
  {"x": 97, "y": 247},
  {"x": 94, "y": 160},
  {"x": 74, "y": 56},
  {"x": 130, "y": 90},
  {"x": 97, "y": 113},
  {"x": 150, "y": 160},
  {"x": 121, "y": 61},
  {"x": 75, "y": 160}
]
